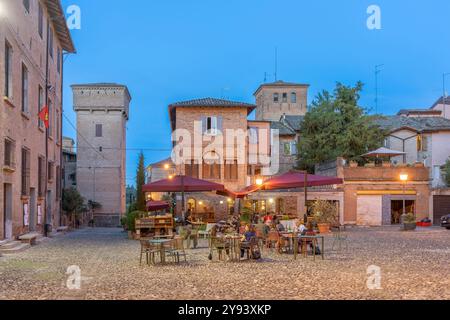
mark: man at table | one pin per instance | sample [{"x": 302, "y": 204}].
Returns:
[{"x": 246, "y": 237}]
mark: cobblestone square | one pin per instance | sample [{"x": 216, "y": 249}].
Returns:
[{"x": 414, "y": 265}]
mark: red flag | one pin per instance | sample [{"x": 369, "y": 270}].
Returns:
[{"x": 43, "y": 115}]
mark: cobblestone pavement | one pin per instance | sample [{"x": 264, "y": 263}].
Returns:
[{"x": 414, "y": 265}]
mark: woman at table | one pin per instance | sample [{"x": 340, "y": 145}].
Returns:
[
  {"x": 300, "y": 227},
  {"x": 249, "y": 233},
  {"x": 280, "y": 227}
]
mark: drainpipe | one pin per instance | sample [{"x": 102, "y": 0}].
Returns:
[{"x": 46, "y": 132}]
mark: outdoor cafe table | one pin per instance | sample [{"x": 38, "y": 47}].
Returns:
[
  {"x": 234, "y": 245},
  {"x": 313, "y": 238},
  {"x": 160, "y": 244}
]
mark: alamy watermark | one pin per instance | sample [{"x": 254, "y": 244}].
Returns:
[
  {"x": 374, "y": 19},
  {"x": 373, "y": 277},
  {"x": 73, "y": 17},
  {"x": 208, "y": 144}
]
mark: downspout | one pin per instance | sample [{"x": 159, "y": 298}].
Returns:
[{"x": 46, "y": 133}]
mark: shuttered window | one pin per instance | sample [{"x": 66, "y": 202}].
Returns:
[
  {"x": 231, "y": 170},
  {"x": 99, "y": 130}
]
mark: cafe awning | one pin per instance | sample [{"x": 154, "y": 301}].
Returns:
[
  {"x": 157, "y": 205},
  {"x": 182, "y": 184},
  {"x": 291, "y": 180}
]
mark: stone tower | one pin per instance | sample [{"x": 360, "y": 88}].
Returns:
[
  {"x": 278, "y": 98},
  {"x": 102, "y": 113}
]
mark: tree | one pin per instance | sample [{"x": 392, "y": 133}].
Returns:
[
  {"x": 336, "y": 126},
  {"x": 140, "y": 181},
  {"x": 72, "y": 203},
  {"x": 446, "y": 170}
]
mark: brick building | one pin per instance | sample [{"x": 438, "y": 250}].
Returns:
[
  {"x": 102, "y": 114},
  {"x": 33, "y": 37}
]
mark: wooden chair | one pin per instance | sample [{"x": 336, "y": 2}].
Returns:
[
  {"x": 340, "y": 238},
  {"x": 261, "y": 237},
  {"x": 178, "y": 246},
  {"x": 219, "y": 245},
  {"x": 149, "y": 250},
  {"x": 273, "y": 237}
]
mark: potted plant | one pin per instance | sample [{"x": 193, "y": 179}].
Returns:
[
  {"x": 353, "y": 164},
  {"x": 246, "y": 216},
  {"x": 324, "y": 214},
  {"x": 409, "y": 222}
]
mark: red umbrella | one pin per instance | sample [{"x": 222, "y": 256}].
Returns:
[
  {"x": 295, "y": 179},
  {"x": 157, "y": 205},
  {"x": 182, "y": 184},
  {"x": 291, "y": 180}
]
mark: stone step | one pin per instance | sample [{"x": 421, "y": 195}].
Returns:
[{"x": 14, "y": 247}]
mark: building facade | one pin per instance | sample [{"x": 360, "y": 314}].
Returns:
[
  {"x": 69, "y": 155},
  {"x": 33, "y": 37},
  {"x": 102, "y": 114}
]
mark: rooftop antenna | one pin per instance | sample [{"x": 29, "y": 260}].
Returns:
[
  {"x": 265, "y": 77},
  {"x": 377, "y": 72},
  {"x": 276, "y": 64}
]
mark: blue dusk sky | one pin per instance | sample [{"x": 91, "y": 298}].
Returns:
[{"x": 172, "y": 50}]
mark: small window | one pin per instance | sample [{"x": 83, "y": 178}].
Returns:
[
  {"x": 99, "y": 130},
  {"x": 9, "y": 153},
  {"x": 50, "y": 170},
  {"x": 24, "y": 88},
  {"x": 40, "y": 20},
  {"x": 276, "y": 97},
  {"x": 8, "y": 70},
  {"x": 26, "y": 4},
  {"x": 284, "y": 97},
  {"x": 50, "y": 41},
  {"x": 211, "y": 125},
  {"x": 293, "y": 97},
  {"x": 58, "y": 61}
]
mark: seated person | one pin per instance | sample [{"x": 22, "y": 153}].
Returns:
[
  {"x": 246, "y": 237},
  {"x": 280, "y": 227},
  {"x": 299, "y": 227}
]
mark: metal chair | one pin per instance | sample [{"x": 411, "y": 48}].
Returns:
[
  {"x": 340, "y": 238},
  {"x": 219, "y": 245},
  {"x": 149, "y": 250}
]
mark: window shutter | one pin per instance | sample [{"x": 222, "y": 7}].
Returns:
[
  {"x": 219, "y": 125},
  {"x": 203, "y": 125}
]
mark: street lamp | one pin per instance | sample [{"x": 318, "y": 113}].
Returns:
[
  {"x": 404, "y": 179},
  {"x": 166, "y": 166},
  {"x": 259, "y": 182}
]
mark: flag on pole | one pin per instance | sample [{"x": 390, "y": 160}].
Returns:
[{"x": 43, "y": 116}]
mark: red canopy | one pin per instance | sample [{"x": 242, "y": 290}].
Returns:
[
  {"x": 290, "y": 180},
  {"x": 182, "y": 184},
  {"x": 157, "y": 205}
]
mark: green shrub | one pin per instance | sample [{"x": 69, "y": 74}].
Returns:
[
  {"x": 123, "y": 221},
  {"x": 131, "y": 219},
  {"x": 409, "y": 218},
  {"x": 446, "y": 172}
]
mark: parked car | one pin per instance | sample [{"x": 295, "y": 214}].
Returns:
[{"x": 445, "y": 221}]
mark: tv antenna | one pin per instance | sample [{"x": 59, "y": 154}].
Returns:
[{"x": 377, "y": 72}]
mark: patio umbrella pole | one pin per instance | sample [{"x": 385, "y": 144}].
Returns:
[
  {"x": 183, "y": 205},
  {"x": 306, "y": 197}
]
